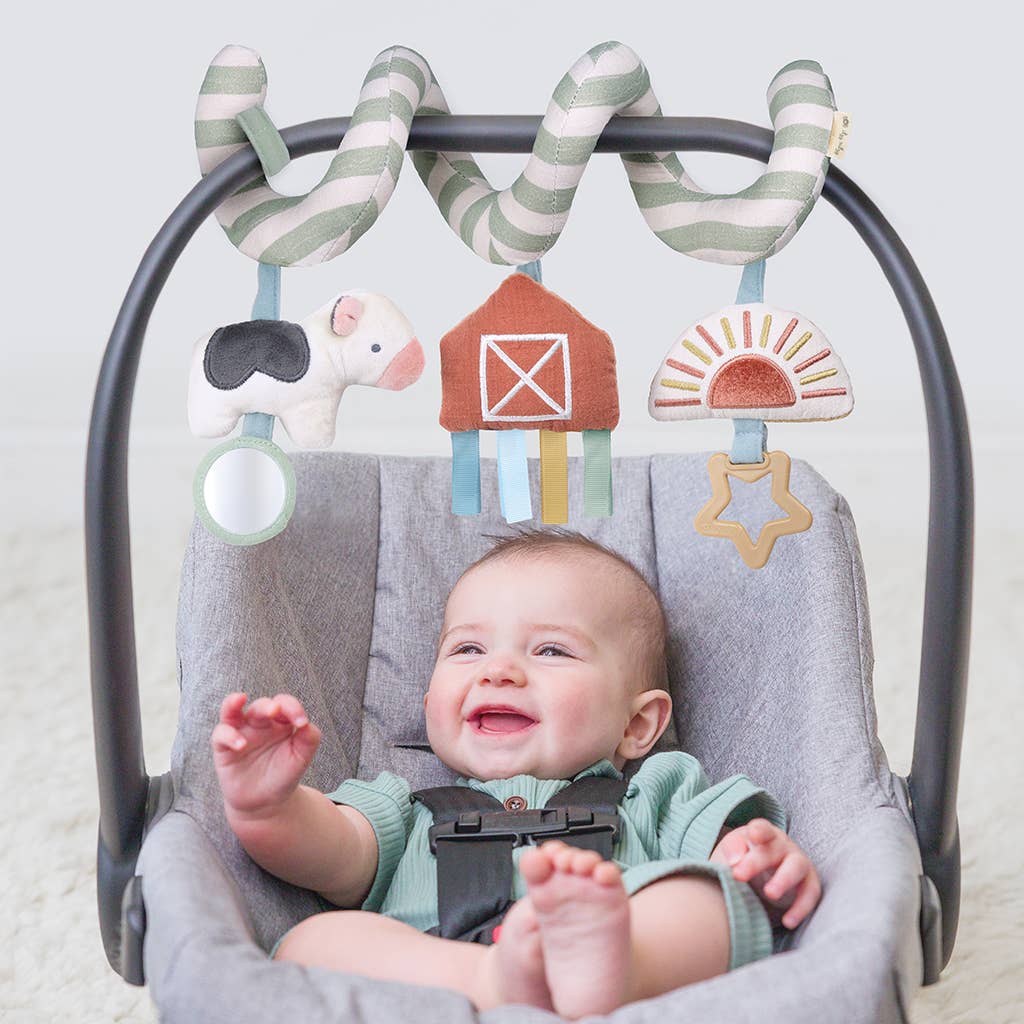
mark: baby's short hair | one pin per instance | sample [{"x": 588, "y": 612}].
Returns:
[{"x": 648, "y": 633}]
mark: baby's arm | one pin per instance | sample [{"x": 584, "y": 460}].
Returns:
[
  {"x": 292, "y": 831},
  {"x": 776, "y": 867}
]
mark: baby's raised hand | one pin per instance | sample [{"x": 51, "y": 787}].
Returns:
[
  {"x": 261, "y": 751},
  {"x": 776, "y": 868}
]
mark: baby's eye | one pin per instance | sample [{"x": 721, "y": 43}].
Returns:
[
  {"x": 553, "y": 651},
  {"x": 468, "y": 648}
]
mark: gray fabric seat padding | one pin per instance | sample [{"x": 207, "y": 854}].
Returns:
[
  {"x": 770, "y": 672},
  {"x": 858, "y": 958}
]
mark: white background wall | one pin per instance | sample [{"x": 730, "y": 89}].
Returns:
[{"x": 100, "y": 126}]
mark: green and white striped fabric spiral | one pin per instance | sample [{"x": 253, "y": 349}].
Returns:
[{"x": 520, "y": 223}]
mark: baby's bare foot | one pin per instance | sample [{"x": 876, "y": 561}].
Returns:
[
  {"x": 521, "y": 960},
  {"x": 583, "y": 914}
]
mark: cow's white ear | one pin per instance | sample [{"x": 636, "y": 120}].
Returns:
[{"x": 345, "y": 315}]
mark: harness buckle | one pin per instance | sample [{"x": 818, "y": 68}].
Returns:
[{"x": 524, "y": 828}]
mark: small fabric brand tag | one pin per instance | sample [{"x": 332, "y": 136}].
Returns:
[{"x": 840, "y": 134}]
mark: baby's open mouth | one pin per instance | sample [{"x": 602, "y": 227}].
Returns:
[{"x": 500, "y": 720}]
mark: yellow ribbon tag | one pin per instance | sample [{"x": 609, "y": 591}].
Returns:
[{"x": 554, "y": 477}]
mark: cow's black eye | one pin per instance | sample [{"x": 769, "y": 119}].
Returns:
[{"x": 375, "y": 347}]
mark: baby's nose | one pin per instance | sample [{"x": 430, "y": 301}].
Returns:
[{"x": 504, "y": 673}]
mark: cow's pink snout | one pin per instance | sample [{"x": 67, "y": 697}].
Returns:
[{"x": 405, "y": 368}]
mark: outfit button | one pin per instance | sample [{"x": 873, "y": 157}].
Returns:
[{"x": 515, "y": 803}]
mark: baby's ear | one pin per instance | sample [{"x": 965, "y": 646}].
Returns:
[{"x": 652, "y": 710}]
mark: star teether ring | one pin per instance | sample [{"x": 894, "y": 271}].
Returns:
[{"x": 798, "y": 518}]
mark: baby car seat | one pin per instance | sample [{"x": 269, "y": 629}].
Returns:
[{"x": 770, "y": 674}]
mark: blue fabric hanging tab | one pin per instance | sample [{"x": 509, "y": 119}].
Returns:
[
  {"x": 267, "y": 305},
  {"x": 466, "y": 473},
  {"x": 258, "y": 424},
  {"x": 751, "y": 436},
  {"x": 531, "y": 269},
  {"x": 513, "y": 476},
  {"x": 752, "y": 283},
  {"x": 749, "y": 442}
]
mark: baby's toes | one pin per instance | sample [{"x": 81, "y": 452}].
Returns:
[
  {"x": 536, "y": 865},
  {"x": 562, "y": 855},
  {"x": 607, "y": 873},
  {"x": 583, "y": 862}
]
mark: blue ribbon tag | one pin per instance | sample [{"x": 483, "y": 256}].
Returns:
[
  {"x": 751, "y": 283},
  {"x": 513, "y": 476},
  {"x": 751, "y": 438},
  {"x": 466, "y": 473}
]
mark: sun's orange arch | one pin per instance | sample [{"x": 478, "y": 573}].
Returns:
[{"x": 750, "y": 382}]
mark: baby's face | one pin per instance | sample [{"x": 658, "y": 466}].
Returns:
[{"x": 533, "y": 672}]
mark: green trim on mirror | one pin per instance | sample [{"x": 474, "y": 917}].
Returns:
[{"x": 283, "y": 463}]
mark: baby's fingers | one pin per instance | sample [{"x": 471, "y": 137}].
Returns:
[
  {"x": 792, "y": 871},
  {"x": 262, "y": 712},
  {"x": 806, "y": 900},
  {"x": 761, "y": 830},
  {"x": 226, "y": 739},
  {"x": 732, "y": 848},
  {"x": 761, "y": 857},
  {"x": 231, "y": 709},
  {"x": 290, "y": 710}
]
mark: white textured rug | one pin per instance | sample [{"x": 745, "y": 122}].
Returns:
[{"x": 53, "y": 968}]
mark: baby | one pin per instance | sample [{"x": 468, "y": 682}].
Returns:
[{"x": 550, "y": 667}]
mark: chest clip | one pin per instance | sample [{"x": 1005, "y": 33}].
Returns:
[{"x": 525, "y": 828}]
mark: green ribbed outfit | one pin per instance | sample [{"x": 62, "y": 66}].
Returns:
[{"x": 671, "y": 819}]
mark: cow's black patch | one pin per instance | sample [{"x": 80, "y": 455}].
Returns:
[{"x": 274, "y": 347}]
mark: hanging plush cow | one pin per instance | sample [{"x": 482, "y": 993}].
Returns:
[{"x": 298, "y": 372}]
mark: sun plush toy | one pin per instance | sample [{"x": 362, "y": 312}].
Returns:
[{"x": 751, "y": 363}]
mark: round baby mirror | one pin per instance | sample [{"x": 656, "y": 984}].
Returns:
[{"x": 245, "y": 490}]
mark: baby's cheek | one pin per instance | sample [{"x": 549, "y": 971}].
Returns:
[
  {"x": 440, "y": 718},
  {"x": 430, "y": 717},
  {"x": 582, "y": 712}
]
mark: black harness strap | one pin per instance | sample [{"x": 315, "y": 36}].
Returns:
[
  {"x": 482, "y": 867},
  {"x": 473, "y": 837},
  {"x": 598, "y": 795}
]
